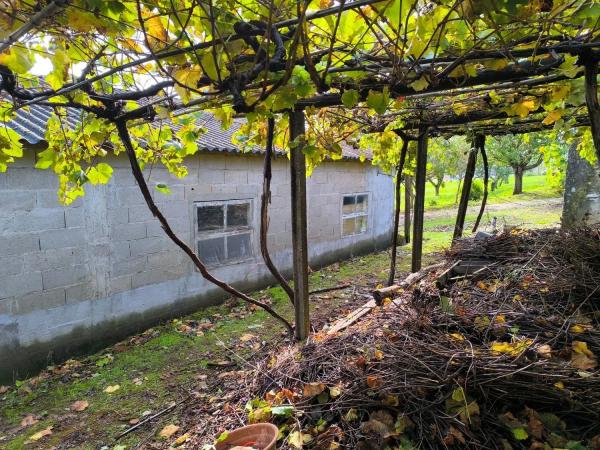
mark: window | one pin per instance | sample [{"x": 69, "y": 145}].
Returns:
[
  {"x": 355, "y": 211},
  {"x": 224, "y": 234}
]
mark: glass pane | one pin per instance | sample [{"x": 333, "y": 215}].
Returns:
[
  {"x": 348, "y": 206},
  {"x": 348, "y": 226},
  {"x": 238, "y": 215},
  {"x": 238, "y": 246},
  {"x": 212, "y": 251},
  {"x": 361, "y": 203},
  {"x": 361, "y": 224},
  {"x": 210, "y": 217}
]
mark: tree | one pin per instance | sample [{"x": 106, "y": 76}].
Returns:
[
  {"x": 446, "y": 158},
  {"x": 520, "y": 152}
]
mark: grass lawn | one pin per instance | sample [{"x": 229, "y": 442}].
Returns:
[
  {"x": 534, "y": 187},
  {"x": 169, "y": 362}
]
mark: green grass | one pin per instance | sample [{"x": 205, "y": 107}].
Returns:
[{"x": 534, "y": 187}]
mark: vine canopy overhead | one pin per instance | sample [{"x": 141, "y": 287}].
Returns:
[{"x": 355, "y": 66}]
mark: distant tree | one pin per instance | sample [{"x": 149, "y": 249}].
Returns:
[
  {"x": 445, "y": 159},
  {"x": 520, "y": 152},
  {"x": 555, "y": 160}
]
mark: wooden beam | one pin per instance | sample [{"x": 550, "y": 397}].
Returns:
[
  {"x": 591, "y": 99},
  {"x": 407, "y": 207},
  {"x": 419, "y": 208},
  {"x": 466, "y": 190},
  {"x": 398, "y": 197},
  {"x": 299, "y": 226}
]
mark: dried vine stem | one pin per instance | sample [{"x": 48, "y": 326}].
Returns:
[
  {"x": 139, "y": 177},
  {"x": 265, "y": 199},
  {"x": 397, "y": 211},
  {"x": 486, "y": 178}
]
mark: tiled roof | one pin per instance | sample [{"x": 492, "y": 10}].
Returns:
[{"x": 31, "y": 124}]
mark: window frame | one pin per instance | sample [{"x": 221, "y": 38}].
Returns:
[
  {"x": 356, "y": 214},
  {"x": 224, "y": 232}
]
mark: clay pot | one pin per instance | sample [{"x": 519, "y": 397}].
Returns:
[{"x": 260, "y": 435}]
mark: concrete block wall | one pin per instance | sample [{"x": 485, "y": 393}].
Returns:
[{"x": 74, "y": 278}]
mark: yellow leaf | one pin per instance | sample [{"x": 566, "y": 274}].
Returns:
[
  {"x": 351, "y": 415},
  {"x": 335, "y": 391},
  {"x": 580, "y": 328},
  {"x": 40, "y": 434},
  {"x": 247, "y": 337},
  {"x": 378, "y": 354},
  {"x": 157, "y": 34},
  {"x": 582, "y": 358},
  {"x": 552, "y": 117},
  {"x": 111, "y": 389},
  {"x": 79, "y": 405},
  {"x": 181, "y": 439},
  {"x": 560, "y": 92},
  {"x": 297, "y": 439},
  {"x": 496, "y": 64},
  {"x": 457, "y": 337},
  {"x": 168, "y": 431},
  {"x": 559, "y": 385},
  {"x": 312, "y": 389},
  {"x": 419, "y": 84},
  {"x": 513, "y": 348}
]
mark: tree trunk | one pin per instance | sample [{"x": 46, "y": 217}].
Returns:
[
  {"x": 458, "y": 190},
  {"x": 518, "y": 180},
  {"x": 437, "y": 189},
  {"x": 407, "y": 207}
]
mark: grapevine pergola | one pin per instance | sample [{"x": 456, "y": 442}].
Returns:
[{"x": 308, "y": 77}]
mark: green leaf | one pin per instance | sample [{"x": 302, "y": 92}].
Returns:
[
  {"x": 100, "y": 174},
  {"x": 378, "y": 101},
  {"x": 46, "y": 159},
  {"x": 161, "y": 187},
  {"x": 224, "y": 435},
  {"x": 285, "y": 411},
  {"x": 520, "y": 433},
  {"x": 350, "y": 98}
]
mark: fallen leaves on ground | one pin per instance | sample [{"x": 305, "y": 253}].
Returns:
[
  {"x": 313, "y": 389},
  {"x": 168, "y": 431},
  {"x": 79, "y": 405},
  {"x": 582, "y": 358},
  {"x": 111, "y": 389},
  {"x": 29, "y": 420},
  {"x": 40, "y": 434}
]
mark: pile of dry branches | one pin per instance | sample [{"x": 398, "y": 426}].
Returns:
[{"x": 503, "y": 358}]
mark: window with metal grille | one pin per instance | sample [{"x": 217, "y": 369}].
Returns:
[
  {"x": 224, "y": 231},
  {"x": 355, "y": 214}
]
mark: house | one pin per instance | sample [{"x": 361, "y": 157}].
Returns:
[{"x": 77, "y": 278}]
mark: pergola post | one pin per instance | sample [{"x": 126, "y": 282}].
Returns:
[
  {"x": 419, "y": 206},
  {"x": 407, "y": 207},
  {"x": 299, "y": 226},
  {"x": 591, "y": 99},
  {"x": 466, "y": 190}
]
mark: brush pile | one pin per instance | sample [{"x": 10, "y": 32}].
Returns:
[{"x": 504, "y": 358}]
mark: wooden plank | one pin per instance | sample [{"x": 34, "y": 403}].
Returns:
[
  {"x": 466, "y": 190},
  {"x": 299, "y": 228},
  {"x": 352, "y": 317},
  {"x": 419, "y": 208},
  {"x": 407, "y": 207},
  {"x": 392, "y": 291}
]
